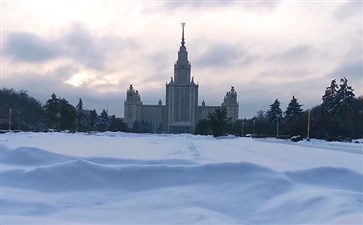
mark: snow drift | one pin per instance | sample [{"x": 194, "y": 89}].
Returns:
[
  {"x": 81, "y": 174},
  {"x": 179, "y": 179}
]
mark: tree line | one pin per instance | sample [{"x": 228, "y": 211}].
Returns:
[
  {"x": 28, "y": 114},
  {"x": 338, "y": 117}
]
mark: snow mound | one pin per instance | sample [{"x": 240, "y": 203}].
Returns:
[
  {"x": 27, "y": 156},
  {"x": 119, "y": 178},
  {"x": 83, "y": 174},
  {"x": 331, "y": 177}
]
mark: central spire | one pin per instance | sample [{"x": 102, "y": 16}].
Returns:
[{"x": 183, "y": 25}]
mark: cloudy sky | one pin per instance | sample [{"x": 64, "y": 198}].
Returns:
[{"x": 94, "y": 49}]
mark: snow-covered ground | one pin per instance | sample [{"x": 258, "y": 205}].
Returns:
[{"x": 121, "y": 178}]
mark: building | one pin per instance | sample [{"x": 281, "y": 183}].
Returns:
[{"x": 181, "y": 112}]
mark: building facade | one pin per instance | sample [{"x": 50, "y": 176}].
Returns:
[{"x": 181, "y": 112}]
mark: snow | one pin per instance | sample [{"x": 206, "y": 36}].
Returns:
[{"x": 122, "y": 178}]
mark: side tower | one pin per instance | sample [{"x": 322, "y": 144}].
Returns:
[
  {"x": 181, "y": 95},
  {"x": 231, "y": 104},
  {"x": 133, "y": 106}
]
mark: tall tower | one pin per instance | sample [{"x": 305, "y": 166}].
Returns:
[
  {"x": 181, "y": 95},
  {"x": 133, "y": 106},
  {"x": 231, "y": 104}
]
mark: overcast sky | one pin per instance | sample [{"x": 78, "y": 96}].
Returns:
[{"x": 95, "y": 49}]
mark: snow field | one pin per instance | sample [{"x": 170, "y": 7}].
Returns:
[{"x": 119, "y": 178}]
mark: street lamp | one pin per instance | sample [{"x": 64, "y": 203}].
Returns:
[
  {"x": 243, "y": 123},
  {"x": 10, "y": 111},
  {"x": 308, "y": 131},
  {"x": 277, "y": 127},
  {"x": 254, "y": 127}
]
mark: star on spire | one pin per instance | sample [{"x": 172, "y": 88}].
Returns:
[{"x": 183, "y": 25}]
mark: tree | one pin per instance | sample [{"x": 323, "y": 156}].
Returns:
[
  {"x": 337, "y": 100},
  {"x": 68, "y": 115},
  {"x": 103, "y": 121},
  {"x": 142, "y": 127},
  {"x": 203, "y": 127},
  {"x": 275, "y": 112},
  {"x": 92, "y": 115},
  {"x": 82, "y": 123},
  {"x": 219, "y": 122},
  {"x": 293, "y": 110},
  {"x": 329, "y": 99},
  {"x": 27, "y": 113},
  {"x": 52, "y": 112},
  {"x": 60, "y": 114},
  {"x": 146, "y": 127},
  {"x": 344, "y": 97},
  {"x": 117, "y": 124}
]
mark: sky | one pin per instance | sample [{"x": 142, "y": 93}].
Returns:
[{"x": 95, "y": 49}]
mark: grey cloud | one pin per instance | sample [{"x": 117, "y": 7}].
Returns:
[
  {"x": 195, "y": 4},
  {"x": 278, "y": 74},
  {"x": 221, "y": 55},
  {"x": 28, "y": 47},
  {"x": 250, "y": 5},
  {"x": 259, "y": 6},
  {"x": 348, "y": 10},
  {"x": 353, "y": 71},
  {"x": 296, "y": 53},
  {"x": 64, "y": 72},
  {"x": 76, "y": 43},
  {"x": 81, "y": 45},
  {"x": 41, "y": 86}
]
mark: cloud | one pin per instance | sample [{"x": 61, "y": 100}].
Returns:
[
  {"x": 174, "y": 5},
  {"x": 44, "y": 84},
  {"x": 76, "y": 43},
  {"x": 221, "y": 54},
  {"x": 298, "y": 53},
  {"x": 251, "y": 5},
  {"x": 81, "y": 45},
  {"x": 28, "y": 47},
  {"x": 279, "y": 76},
  {"x": 266, "y": 50},
  {"x": 353, "y": 71},
  {"x": 349, "y": 10}
]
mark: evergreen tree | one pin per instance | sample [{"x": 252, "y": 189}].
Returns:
[
  {"x": 52, "y": 112},
  {"x": 103, "y": 122},
  {"x": 146, "y": 127},
  {"x": 293, "y": 110},
  {"x": 275, "y": 112},
  {"x": 136, "y": 127},
  {"x": 82, "y": 123},
  {"x": 26, "y": 112},
  {"x": 337, "y": 100},
  {"x": 329, "y": 99},
  {"x": 117, "y": 124},
  {"x": 92, "y": 118},
  {"x": 345, "y": 97},
  {"x": 68, "y": 115},
  {"x": 203, "y": 127},
  {"x": 60, "y": 114},
  {"x": 219, "y": 122},
  {"x": 142, "y": 127}
]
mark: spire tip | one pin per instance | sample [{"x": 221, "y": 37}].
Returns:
[{"x": 183, "y": 25}]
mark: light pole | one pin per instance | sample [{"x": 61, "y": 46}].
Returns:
[
  {"x": 277, "y": 127},
  {"x": 308, "y": 131},
  {"x": 10, "y": 111},
  {"x": 254, "y": 127},
  {"x": 243, "y": 123}
]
